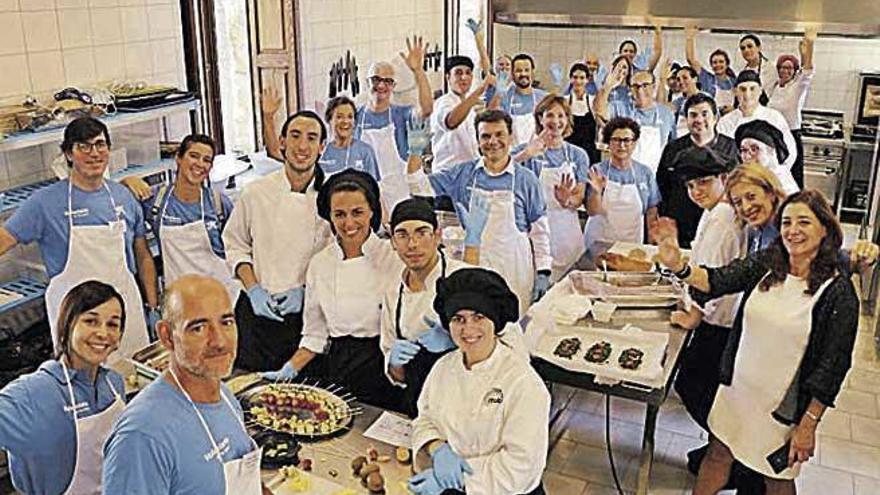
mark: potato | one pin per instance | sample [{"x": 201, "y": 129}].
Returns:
[
  {"x": 375, "y": 483},
  {"x": 357, "y": 464}
]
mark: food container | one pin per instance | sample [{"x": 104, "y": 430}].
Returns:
[
  {"x": 151, "y": 361},
  {"x": 627, "y": 289}
]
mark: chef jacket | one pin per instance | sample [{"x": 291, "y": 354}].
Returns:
[
  {"x": 791, "y": 98},
  {"x": 36, "y": 423},
  {"x": 414, "y": 307},
  {"x": 323, "y": 307},
  {"x": 728, "y": 123},
  {"x": 43, "y": 218},
  {"x": 530, "y": 208},
  {"x": 251, "y": 230},
  {"x": 451, "y": 146},
  {"x": 719, "y": 241},
  {"x": 359, "y": 156},
  {"x": 170, "y": 452},
  {"x": 494, "y": 415}
]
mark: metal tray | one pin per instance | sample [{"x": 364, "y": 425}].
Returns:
[
  {"x": 628, "y": 289},
  {"x": 146, "y": 361},
  {"x": 251, "y": 398}
]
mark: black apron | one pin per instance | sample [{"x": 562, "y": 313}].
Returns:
[
  {"x": 584, "y": 134},
  {"x": 417, "y": 369},
  {"x": 357, "y": 364},
  {"x": 537, "y": 491},
  {"x": 264, "y": 344}
]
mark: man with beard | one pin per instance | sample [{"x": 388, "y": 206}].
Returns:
[
  {"x": 198, "y": 444},
  {"x": 701, "y": 114},
  {"x": 270, "y": 237},
  {"x": 521, "y": 99}
]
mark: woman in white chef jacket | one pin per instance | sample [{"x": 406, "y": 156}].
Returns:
[
  {"x": 345, "y": 284},
  {"x": 562, "y": 169},
  {"x": 53, "y": 422},
  {"x": 484, "y": 412},
  {"x": 622, "y": 193},
  {"x": 776, "y": 385},
  {"x": 760, "y": 142},
  {"x": 753, "y": 55}
]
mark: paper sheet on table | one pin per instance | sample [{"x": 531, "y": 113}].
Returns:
[{"x": 391, "y": 429}]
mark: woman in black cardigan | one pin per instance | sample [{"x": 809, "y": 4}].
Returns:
[{"x": 790, "y": 348}]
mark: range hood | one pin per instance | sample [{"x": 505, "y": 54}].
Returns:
[{"x": 854, "y": 18}]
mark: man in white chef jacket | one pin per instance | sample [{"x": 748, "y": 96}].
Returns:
[
  {"x": 197, "y": 443},
  {"x": 270, "y": 238},
  {"x": 453, "y": 136}
]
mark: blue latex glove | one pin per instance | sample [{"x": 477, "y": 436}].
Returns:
[
  {"x": 542, "y": 284},
  {"x": 474, "y": 25},
  {"x": 425, "y": 483},
  {"x": 450, "y": 468},
  {"x": 290, "y": 301},
  {"x": 502, "y": 81},
  {"x": 402, "y": 352},
  {"x": 556, "y": 74},
  {"x": 474, "y": 219},
  {"x": 436, "y": 338},
  {"x": 263, "y": 303},
  {"x": 418, "y": 135},
  {"x": 286, "y": 373},
  {"x": 153, "y": 317}
]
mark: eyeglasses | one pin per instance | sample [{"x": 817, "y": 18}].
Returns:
[
  {"x": 376, "y": 80},
  {"x": 749, "y": 149},
  {"x": 638, "y": 86},
  {"x": 100, "y": 146},
  {"x": 624, "y": 141},
  {"x": 420, "y": 235}
]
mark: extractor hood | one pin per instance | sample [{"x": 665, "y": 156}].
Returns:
[{"x": 852, "y": 18}]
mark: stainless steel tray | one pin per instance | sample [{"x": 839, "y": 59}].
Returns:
[
  {"x": 627, "y": 289},
  {"x": 148, "y": 360}
]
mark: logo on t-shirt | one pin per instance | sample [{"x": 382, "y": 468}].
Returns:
[{"x": 218, "y": 451}]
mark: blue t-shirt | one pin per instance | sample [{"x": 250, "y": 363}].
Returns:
[
  {"x": 43, "y": 219},
  {"x": 515, "y": 103},
  {"x": 710, "y": 83},
  {"x": 37, "y": 431},
  {"x": 170, "y": 452},
  {"x": 656, "y": 116},
  {"x": 457, "y": 181},
  {"x": 555, "y": 158},
  {"x": 638, "y": 174},
  {"x": 400, "y": 115},
  {"x": 178, "y": 213},
  {"x": 359, "y": 156}
]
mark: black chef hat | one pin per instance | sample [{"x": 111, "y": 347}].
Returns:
[
  {"x": 351, "y": 180},
  {"x": 413, "y": 209},
  {"x": 454, "y": 61},
  {"x": 698, "y": 162},
  {"x": 765, "y": 132},
  {"x": 747, "y": 75},
  {"x": 476, "y": 289}
]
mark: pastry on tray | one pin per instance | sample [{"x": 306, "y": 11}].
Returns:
[
  {"x": 598, "y": 352},
  {"x": 621, "y": 263},
  {"x": 568, "y": 347},
  {"x": 631, "y": 358}
]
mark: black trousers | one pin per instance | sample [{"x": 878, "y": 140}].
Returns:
[
  {"x": 536, "y": 491},
  {"x": 358, "y": 365},
  {"x": 797, "y": 170},
  {"x": 415, "y": 373},
  {"x": 264, "y": 344},
  {"x": 697, "y": 380}
]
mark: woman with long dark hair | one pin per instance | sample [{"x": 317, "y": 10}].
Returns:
[
  {"x": 53, "y": 422},
  {"x": 790, "y": 348}
]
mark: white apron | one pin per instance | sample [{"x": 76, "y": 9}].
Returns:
[
  {"x": 523, "y": 125},
  {"x": 97, "y": 252},
  {"x": 723, "y": 98},
  {"x": 392, "y": 168},
  {"x": 566, "y": 244},
  {"x": 91, "y": 432},
  {"x": 649, "y": 147},
  {"x": 504, "y": 248},
  {"x": 624, "y": 218},
  {"x": 242, "y": 476},
  {"x": 187, "y": 249},
  {"x": 775, "y": 333}
]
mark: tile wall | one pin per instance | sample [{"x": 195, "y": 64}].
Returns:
[
  {"x": 837, "y": 60},
  {"x": 372, "y": 30}
]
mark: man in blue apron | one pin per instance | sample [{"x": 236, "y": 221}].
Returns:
[
  {"x": 89, "y": 228},
  {"x": 198, "y": 444}
]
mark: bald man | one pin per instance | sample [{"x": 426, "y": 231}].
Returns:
[{"x": 197, "y": 443}]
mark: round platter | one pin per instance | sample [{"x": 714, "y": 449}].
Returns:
[{"x": 305, "y": 411}]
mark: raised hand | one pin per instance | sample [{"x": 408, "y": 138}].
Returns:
[
  {"x": 690, "y": 31},
  {"x": 474, "y": 25},
  {"x": 556, "y": 73},
  {"x": 418, "y": 135},
  {"x": 270, "y": 100},
  {"x": 415, "y": 53},
  {"x": 596, "y": 180},
  {"x": 563, "y": 191}
]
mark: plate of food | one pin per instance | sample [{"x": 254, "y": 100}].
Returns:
[{"x": 298, "y": 409}]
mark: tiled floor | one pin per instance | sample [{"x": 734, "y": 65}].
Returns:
[{"x": 848, "y": 452}]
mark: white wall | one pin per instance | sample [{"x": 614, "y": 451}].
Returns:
[
  {"x": 837, "y": 60},
  {"x": 373, "y": 30}
]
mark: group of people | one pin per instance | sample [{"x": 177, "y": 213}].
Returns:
[{"x": 333, "y": 267}]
